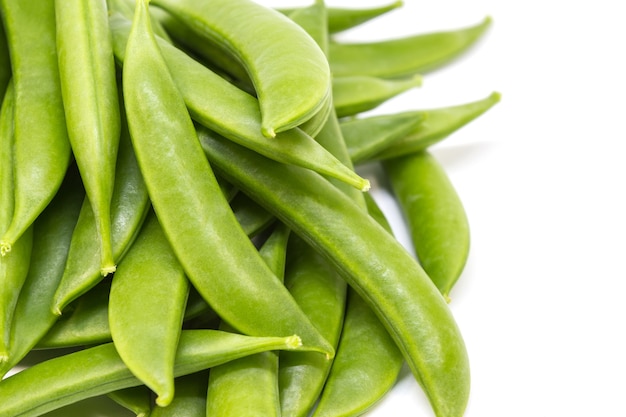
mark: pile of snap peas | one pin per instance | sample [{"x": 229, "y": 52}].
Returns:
[{"x": 182, "y": 226}]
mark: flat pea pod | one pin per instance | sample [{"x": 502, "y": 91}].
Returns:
[
  {"x": 42, "y": 150},
  {"x": 360, "y": 93},
  {"x": 14, "y": 268},
  {"x": 438, "y": 125},
  {"x": 368, "y": 136},
  {"x": 224, "y": 108},
  {"x": 190, "y": 400},
  {"x": 99, "y": 370},
  {"x": 52, "y": 232},
  {"x": 405, "y": 56},
  {"x": 130, "y": 205},
  {"x": 154, "y": 318},
  {"x": 91, "y": 105},
  {"x": 136, "y": 399},
  {"x": 207, "y": 239},
  {"x": 290, "y": 73},
  {"x": 374, "y": 263},
  {"x": 435, "y": 215}
]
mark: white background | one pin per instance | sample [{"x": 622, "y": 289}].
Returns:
[{"x": 542, "y": 177}]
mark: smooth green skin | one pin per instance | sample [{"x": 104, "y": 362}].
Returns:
[
  {"x": 374, "y": 263},
  {"x": 249, "y": 386},
  {"x": 136, "y": 399},
  {"x": 217, "y": 256},
  {"x": 146, "y": 307},
  {"x": 233, "y": 113},
  {"x": 14, "y": 268},
  {"x": 252, "y": 218},
  {"x": 130, "y": 205},
  {"x": 435, "y": 215},
  {"x": 359, "y": 93},
  {"x": 405, "y": 56},
  {"x": 368, "y": 136},
  {"x": 438, "y": 125},
  {"x": 52, "y": 233},
  {"x": 5, "y": 61},
  {"x": 90, "y": 101},
  {"x": 127, "y": 9},
  {"x": 290, "y": 73},
  {"x": 190, "y": 400},
  {"x": 42, "y": 149},
  {"x": 64, "y": 380},
  {"x": 368, "y": 361},
  {"x": 340, "y": 19}
]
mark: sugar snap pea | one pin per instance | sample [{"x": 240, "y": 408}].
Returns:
[
  {"x": 402, "y": 57},
  {"x": 217, "y": 256},
  {"x": 435, "y": 215},
  {"x": 136, "y": 399},
  {"x": 276, "y": 52},
  {"x": 42, "y": 149},
  {"x": 139, "y": 323},
  {"x": 224, "y": 108},
  {"x": 190, "y": 400},
  {"x": 90, "y": 102},
  {"x": 98, "y": 370},
  {"x": 401, "y": 294},
  {"x": 357, "y": 94}
]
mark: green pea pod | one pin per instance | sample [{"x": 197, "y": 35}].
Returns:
[
  {"x": 435, "y": 216},
  {"x": 357, "y": 94},
  {"x": 52, "y": 232},
  {"x": 438, "y": 125},
  {"x": 90, "y": 101},
  {"x": 136, "y": 399},
  {"x": 224, "y": 108},
  {"x": 154, "y": 318},
  {"x": 190, "y": 400},
  {"x": 276, "y": 53},
  {"x": 67, "y": 379},
  {"x": 42, "y": 150},
  {"x": 403, "y": 56},
  {"x": 14, "y": 268},
  {"x": 368, "y": 136},
  {"x": 208, "y": 240},
  {"x": 5, "y": 61},
  {"x": 253, "y": 218},
  {"x": 129, "y": 204},
  {"x": 126, "y": 8},
  {"x": 380, "y": 269},
  {"x": 249, "y": 386}
]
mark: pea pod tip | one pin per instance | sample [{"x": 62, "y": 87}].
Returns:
[
  {"x": 108, "y": 269},
  {"x": 5, "y": 248},
  {"x": 293, "y": 342}
]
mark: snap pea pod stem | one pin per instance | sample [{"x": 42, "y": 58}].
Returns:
[
  {"x": 360, "y": 93},
  {"x": 208, "y": 241},
  {"x": 90, "y": 102},
  {"x": 98, "y": 370},
  {"x": 405, "y": 56},
  {"x": 224, "y": 108},
  {"x": 42, "y": 150},
  {"x": 374, "y": 263},
  {"x": 276, "y": 52},
  {"x": 146, "y": 306}
]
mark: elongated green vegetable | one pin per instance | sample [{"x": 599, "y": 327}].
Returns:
[
  {"x": 42, "y": 149},
  {"x": 190, "y": 400},
  {"x": 276, "y": 52},
  {"x": 136, "y": 399},
  {"x": 207, "y": 240}
]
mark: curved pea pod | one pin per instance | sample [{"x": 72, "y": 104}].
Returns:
[
  {"x": 357, "y": 94},
  {"x": 207, "y": 240},
  {"x": 99, "y": 370},
  {"x": 368, "y": 136},
  {"x": 373, "y": 262},
  {"x": 129, "y": 204},
  {"x": 136, "y": 399},
  {"x": 42, "y": 150},
  {"x": 403, "y": 56},
  {"x": 438, "y": 125},
  {"x": 224, "y": 108},
  {"x": 290, "y": 73},
  {"x": 190, "y": 400},
  {"x": 52, "y": 232},
  {"x": 91, "y": 105},
  {"x": 14, "y": 268},
  {"x": 146, "y": 306},
  {"x": 435, "y": 216}
]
